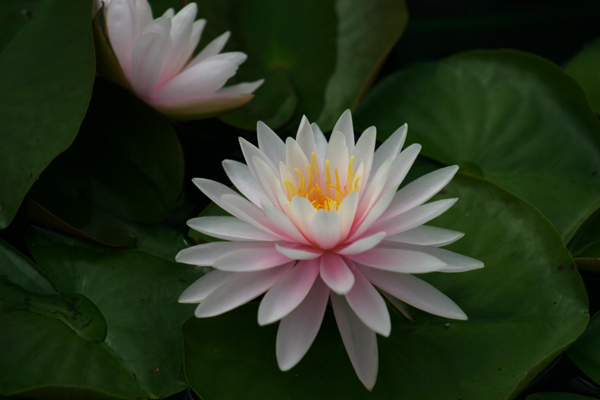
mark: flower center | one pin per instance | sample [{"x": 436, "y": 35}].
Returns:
[{"x": 324, "y": 191}]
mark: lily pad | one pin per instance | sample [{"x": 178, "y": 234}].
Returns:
[
  {"x": 510, "y": 117},
  {"x": 136, "y": 292},
  {"x": 585, "y": 352},
  {"x": 319, "y": 68},
  {"x": 44, "y": 92},
  {"x": 585, "y": 68},
  {"x": 525, "y": 306},
  {"x": 558, "y": 396}
]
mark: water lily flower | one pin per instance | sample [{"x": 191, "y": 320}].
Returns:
[
  {"x": 325, "y": 220},
  {"x": 153, "y": 58}
]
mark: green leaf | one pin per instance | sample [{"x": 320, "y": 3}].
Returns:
[
  {"x": 14, "y": 15},
  {"x": 586, "y": 242},
  {"x": 136, "y": 291},
  {"x": 317, "y": 57},
  {"x": 126, "y": 161},
  {"x": 47, "y": 74},
  {"x": 585, "y": 68},
  {"x": 558, "y": 396},
  {"x": 525, "y": 306},
  {"x": 585, "y": 352},
  {"x": 510, "y": 117}
]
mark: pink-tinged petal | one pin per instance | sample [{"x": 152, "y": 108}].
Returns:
[
  {"x": 303, "y": 214},
  {"x": 204, "y": 286},
  {"x": 370, "y": 196},
  {"x": 398, "y": 260},
  {"x": 145, "y": 64},
  {"x": 143, "y": 14},
  {"x": 454, "y": 262},
  {"x": 251, "y": 259},
  {"x": 368, "y": 305},
  {"x": 239, "y": 174},
  {"x": 427, "y": 236},
  {"x": 181, "y": 31},
  {"x": 336, "y": 274},
  {"x": 420, "y": 190},
  {"x": 242, "y": 88},
  {"x": 170, "y": 13},
  {"x": 266, "y": 179},
  {"x": 235, "y": 57},
  {"x": 374, "y": 213},
  {"x": 338, "y": 156},
  {"x": 288, "y": 293},
  {"x": 347, "y": 212},
  {"x": 321, "y": 143},
  {"x": 360, "y": 341},
  {"x": 401, "y": 166},
  {"x": 199, "y": 104},
  {"x": 295, "y": 158},
  {"x": 208, "y": 76},
  {"x": 249, "y": 151},
  {"x": 415, "y": 292},
  {"x": 412, "y": 218},
  {"x": 239, "y": 290},
  {"x": 362, "y": 245},
  {"x": 270, "y": 143},
  {"x": 399, "y": 305},
  {"x": 206, "y": 254},
  {"x": 212, "y": 49},
  {"x": 235, "y": 205},
  {"x": 162, "y": 27},
  {"x": 284, "y": 224},
  {"x": 306, "y": 138},
  {"x": 390, "y": 148},
  {"x": 327, "y": 228},
  {"x": 298, "y": 330},
  {"x": 197, "y": 29},
  {"x": 296, "y": 251},
  {"x": 363, "y": 152},
  {"x": 229, "y": 228},
  {"x": 344, "y": 125},
  {"x": 122, "y": 28}
]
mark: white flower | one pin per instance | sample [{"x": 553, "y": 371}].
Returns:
[
  {"x": 325, "y": 221},
  {"x": 155, "y": 57}
]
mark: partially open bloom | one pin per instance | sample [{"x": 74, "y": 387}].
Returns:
[
  {"x": 153, "y": 58},
  {"x": 325, "y": 221}
]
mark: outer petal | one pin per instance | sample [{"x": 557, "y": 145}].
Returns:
[
  {"x": 298, "y": 252},
  {"x": 336, "y": 274},
  {"x": 212, "y": 49},
  {"x": 426, "y": 236},
  {"x": 364, "y": 150},
  {"x": 359, "y": 340},
  {"x": 288, "y": 293},
  {"x": 182, "y": 48},
  {"x": 399, "y": 260},
  {"x": 390, "y": 148},
  {"x": 242, "y": 288},
  {"x": 415, "y": 292},
  {"x": 271, "y": 144},
  {"x": 122, "y": 27},
  {"x": 229, "y": 228},
  {"x": 454, "y": 262},
  {"x": 362, "y": 245},
  {"x": 242, "y": 88},
  {"x": 207, "y": 254},
  {"x": 368, "y": 305},
  {"x": 239, "y": 174},
  {"x": 284, "y": 224},
  {"x": 344, "y": 125},
  {"x": 199, "y": 104},
  {"x": 420, "y": 190},
  {"x": 251, "y": 259},
  {"x": 145, "y": 64},
  {"x": 298, "y": 330},
  {"x": 401, "y": 166},
  {"x": 204, "y": 286}
]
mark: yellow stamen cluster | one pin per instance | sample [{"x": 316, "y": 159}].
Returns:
[{"x": 328, "y": 197}]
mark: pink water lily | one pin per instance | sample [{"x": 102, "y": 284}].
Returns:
[
  {"x": 325, "y": 220},
  {"x": 155, "y": 58}
]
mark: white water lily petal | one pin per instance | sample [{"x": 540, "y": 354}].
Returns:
[
  {"x": 249, "y": 151},
  {"x": 242, "y": 88},
  {"x": 426, "y": 236},
  {"x": 298, "y": 251},
  {"x": 362, "y": 245},
  {"x": 338, "y": 156},
  {"x": 360, "y": 341},
  {"x": 239, "y": 290},
  {"x": 180, "y": 33},
  {"x": 344, "y": 125},
  {"x": 306, "y": 138},
  {"x": 412, "y": 218},
  {"x": 162, "y": 27},
  {"x": 266, "y": 179},
  {"x": 212, "y": 49},
  {"x": 271, "y": 144},
  {"x": 415, "y": 292},
  {"x": 371, "y": 194},
  {"x": 336, "y": 274},
  {"x": 327, "y": 229},
  {"x": 420, "y": 190},
  {"x": 204, "y": 286},
  {"x": 347, "y": 212},
  {"x": 321, "y": 143},
  {"x": 303, "y": 215},
  {"x": 206, "y": 254},
  {"x": 390, "y": 148},
  {"x": 295, "y": 158},
  {"x": 399, "y": 305},
  {"x": 398, "y": 260},
  {"x": 284, "y": 224},
  {"x": 298, "y": 330},
  {"x": 368, "y": 305},
  {"x": 288, "y": 293},
  {"x": 146, "y": 64},
  {"x": 251, "y": 259},
  {"x": 374, "y": 213},
  {"x": 401, "y": 166},
  {"x": 229, "y": 228},
  {"x": 454, "y": 262},
  {"x": 123, "y": 30},
  {"x": 239, "y": 174},
  {"x": 363, "y": 151}
]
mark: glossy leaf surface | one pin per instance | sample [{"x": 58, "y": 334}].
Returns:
[{"x": 585, "y": 68}]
